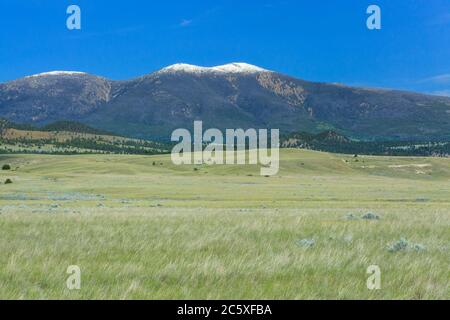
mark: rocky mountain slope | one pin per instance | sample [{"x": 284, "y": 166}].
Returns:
[{"x": 236, "y": 95}]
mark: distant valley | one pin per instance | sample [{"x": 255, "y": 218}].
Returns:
[{"x": 67, "y": 137}]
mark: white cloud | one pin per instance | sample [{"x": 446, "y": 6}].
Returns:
[
  {"x": 185, "y": 23},
  {"x": 441, "y": 78}
]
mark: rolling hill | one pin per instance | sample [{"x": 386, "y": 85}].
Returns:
[{"x": 66, "y": 137}]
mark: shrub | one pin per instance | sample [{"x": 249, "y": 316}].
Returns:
[
  {"x": 399, "y": 245},
  {"x": 403, "y": 245},
  {"x": 8, "y": 181},
  {"x": 6, "y": 167},
  {"x": 371, "y": 216},
  {"x": 419, "y": 247},
  {"x": 307, "y": 243}
]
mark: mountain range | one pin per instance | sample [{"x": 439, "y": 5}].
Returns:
[{"x": 236, "y": 95}]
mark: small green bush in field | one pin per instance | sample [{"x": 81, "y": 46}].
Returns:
[
  {"x": 403, "y": 245},
  {"x": 8, "y": 181},
  {"x": 370, "y": 216},
  {"x": 6, "y": 167},
  {"x": 399, "y": 245},
  {"x": 307, "y": 243}
]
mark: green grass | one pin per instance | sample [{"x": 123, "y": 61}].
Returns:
[{"x": 145, "y": 231}]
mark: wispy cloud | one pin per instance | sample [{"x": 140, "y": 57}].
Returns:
[
  {"x": 185, "y": 23},
  {"x": 440, "y": 78},
  {"x": 196, "y": 19}
]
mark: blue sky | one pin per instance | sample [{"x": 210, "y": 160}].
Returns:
[{"x": 323, "y": 40}]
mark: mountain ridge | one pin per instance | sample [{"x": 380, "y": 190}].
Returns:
[{"x": 235, "y": 95}]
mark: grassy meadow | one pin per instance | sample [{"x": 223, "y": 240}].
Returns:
[{"x": 141, "y": 228}]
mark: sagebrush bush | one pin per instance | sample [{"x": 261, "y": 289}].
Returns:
[
  {"x": 308, "y": 243},
  {"x": 403, "y": 245},
  {"x": 371, "y": 216},
  {"x": 6, "y": 167},
  {"x": 399, "y": 245}
]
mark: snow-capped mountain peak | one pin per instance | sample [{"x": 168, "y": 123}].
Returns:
[
  {"x": 237, "y": 67},
  {"x": 56, "y": 73}
]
